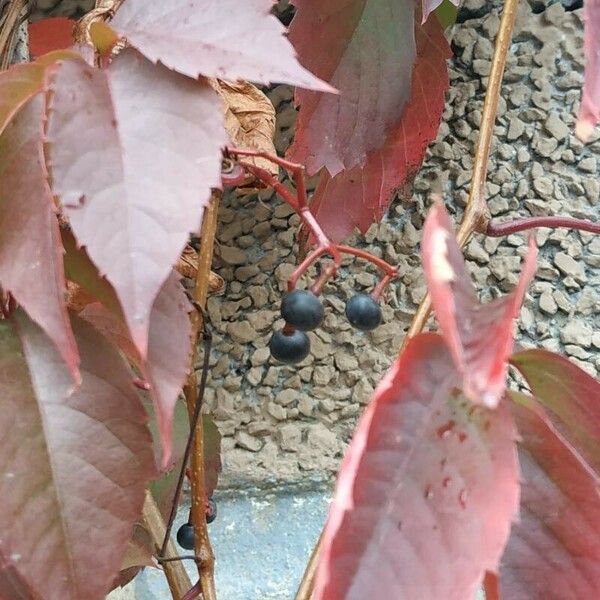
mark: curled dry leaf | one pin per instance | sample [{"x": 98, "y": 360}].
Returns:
[
  {"x": 249, "y": 121},
  {"x": 187, "y": 265}
]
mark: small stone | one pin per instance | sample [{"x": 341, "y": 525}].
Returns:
[
  {"x": 576, "y": 351},
  {"x": 556, "y": 127},
  {"x": 259, "y": 295},
  {"x": 588, "y": 165},
  {"x": 323, "y": 374},
  {"x": 350, "y": 410},
  {"x": 562, "y": 301},
  {"x": 345, "y": 362},
  {"x": 259, "y": 428},
  {"x": 276, "y": 411},
  {"x": 545, "y": 146},
  {"x": 241, "y": 332},
  {"x": 516, "y": 128},
  {"x": 547, "y": 303},
  {"x": 543, "y": 186},
  {"x": 322, "y": 440},
  {"x": 254, "y": 375},
  {"x": 260, "y": 357},
  {"x": 233, "y": 256},
  {"x": 306, "y": 406},
  {"x": 327, "y": 405},
  {"x": 247, "y": 272},
  {"x": 577, "y": 332},
  {"x": 248, "y": 442},
  {"x": 290, "y": 437},
  {"x": 286, "y": 397},
  {"x": 569, "y": 266},
  {"x": 272, "y": 376}
]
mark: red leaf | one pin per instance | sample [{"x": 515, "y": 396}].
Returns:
[
  {"x": 359, "y": 196},
  {"x": 31, "y": 265},
  {"x": 227, "y": 39},
  {"x": 480, "y": 337},
  {"x": 571, "y": 395},
  {"x": 168, "y": 361},
  {"x": 365, "y": 49},
  {"x": 134, "y": 151},
  {"x": 589, "y": 114},
  {"x": 75, "y": 463},
  {"x": 554, "y": 549},
  {"x": 427, "y": 489},
  {"x": 50, "y": 34}
]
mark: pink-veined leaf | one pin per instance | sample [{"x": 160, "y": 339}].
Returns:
[
  {"x": 479, "y": 336},
  {"x": 571, "y": 396},
  {"x": 75, "y": 463},
  {"x": 365, "y": 49},
  {"x": 31, "y": 265},
  {"x": 426, "y": 492},
  {"x": 360, "y": 196},
  {"x": 134, "y": 151},
  {"x": 554, "y": 548},
  {"x": 589, "y": 113},
  {"x": 167, "y": 363},
  {"x": 226, "y": 39},
  {"x": 428, "y": 6}
]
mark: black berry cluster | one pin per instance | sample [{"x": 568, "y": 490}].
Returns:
[{"x": 302, "y": 311}]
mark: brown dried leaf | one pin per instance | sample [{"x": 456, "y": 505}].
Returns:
[
  {"x": 249, "y": 121},
  {"x": 187, "y": 265}
]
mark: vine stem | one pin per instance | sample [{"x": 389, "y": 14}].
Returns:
[
  {"x": 502, "y": 229},
  {"x": 177, "y": 577},
  {"x": 206, "y": 558},
  {"x": 476, "y": 216}
]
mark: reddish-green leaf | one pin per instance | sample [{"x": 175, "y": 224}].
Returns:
[
  {"x": 23, "y": 81},
  {"x": 50, "y": 34},
  {"x": 81, "y": 270},
  {"x": 427, "y": 489},
  {"x": 134, "y": 150},
  {"x": 31, "y": 266},
  {"x": 589, "y": 114},
  {"x": 480, "y": 337},
  {"x": 554, "y": 548},
  {"x": 359, "y": 196},
  {"x": 167, "y": 363},
  {"x": 571, "y": 395},
  {"x": 428, "y": 6},
  {"x": 215, "y": 38},
  {"x": 74, "y": 462},
  {"x": 365, "y": 49}
]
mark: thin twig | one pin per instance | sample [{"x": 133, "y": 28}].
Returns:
[
  {"x": 476, "y": 215},
  {"x": 207, "y": 338},
  {"x": 502, "y": 229},
  {"x": 206, "y": 559},
  {"x": 177, "y": 577}
]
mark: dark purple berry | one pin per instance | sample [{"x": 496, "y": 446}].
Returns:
[
  {"x": 302, "y": 309},
  {"x": 363, "y": 312},
  {"x": 185, "y": 536},
  {"x": 289, "y": 347},
  {"x": 211, "y": 510}
]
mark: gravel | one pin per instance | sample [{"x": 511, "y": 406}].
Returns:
[{"x": 284, "y": 423}]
